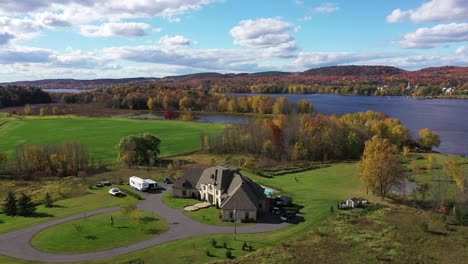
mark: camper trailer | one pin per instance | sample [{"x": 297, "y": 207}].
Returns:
[{"x": 142, "y": 184}]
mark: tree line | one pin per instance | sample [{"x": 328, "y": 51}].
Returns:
[
  {"x": 18, "y": 96},
  {"x": 311, "y": 137}
]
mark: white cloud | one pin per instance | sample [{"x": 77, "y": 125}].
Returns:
[
  {"x": 115, "y": 29},
  {"x": 463, "y": 50},
  {"x": 272, "y": 34},
  {"x": 19, "y": 29},
  {"x": 174, "y": 42},
  {"x": 425, "y": 38},
  {"x": 433, "y": 11},
  {"x": 319, "y": 59},
  {"x": 305, "y": 18},
  {"x": 409, "y": 61},
  {"x": 327, "y": 8},
  {"x": 19, "y": 54}
]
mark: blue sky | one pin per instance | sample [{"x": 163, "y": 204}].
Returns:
[{"x": 86, "y": 39}]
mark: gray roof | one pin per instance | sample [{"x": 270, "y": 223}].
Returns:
[
  {"x": 246, "y": 196},
  {"x": 220, "y": 177},
  {"x": 190, "y": 179}
]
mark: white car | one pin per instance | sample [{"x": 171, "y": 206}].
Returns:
[{"x": 115, "y": 191}]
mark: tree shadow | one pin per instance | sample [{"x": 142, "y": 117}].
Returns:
[
  {"x": 121, "y": 227},
  {"x": 41, "y": 215},
  {"x": 438, "y": 233},
  {"x": 90, "y": 237}
]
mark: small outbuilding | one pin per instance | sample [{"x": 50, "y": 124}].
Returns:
[{"x": 353, "y": 202}]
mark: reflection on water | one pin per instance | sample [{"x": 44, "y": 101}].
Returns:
[{"x": 446, "y": 117}]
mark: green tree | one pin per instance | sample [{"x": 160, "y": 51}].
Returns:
[
  {"x": 48, "y": 202},
  {"x": 428, "y": 139},
  {"x": 380, "y": 166},
  {"x": 9, "y": 207},
  {"x": 144, "y": 148},
  {"x": 25, "y": 206}
]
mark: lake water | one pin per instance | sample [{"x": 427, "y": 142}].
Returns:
[
  {"x": 446, "y": 117},
  {"x": 65, "y": 90}
]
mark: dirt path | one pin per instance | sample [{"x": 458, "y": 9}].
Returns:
[{"x": 17, "y": 243}]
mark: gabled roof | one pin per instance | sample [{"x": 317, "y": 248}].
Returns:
[
  {"x": 220, "y": 177},
  {"x": 245, "y": 196},
  {"x": 190, "y": 179}
]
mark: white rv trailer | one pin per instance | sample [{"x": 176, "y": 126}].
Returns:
[{"x": 142, "y": 184}]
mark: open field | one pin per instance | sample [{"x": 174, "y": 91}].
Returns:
[
  {"x": 95, "y": 199},
  {"x": 96, "y": 233},
  {"x": 100, "y": 134}
]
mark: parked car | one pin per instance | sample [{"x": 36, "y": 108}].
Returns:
[
  {"x": 115, "y": 191},
  {"x": 167, "y": 181},
  {"x": 100, "y": 185},
  {"x": 106, "y": 183},
  {"x": 288, "y": 216}
]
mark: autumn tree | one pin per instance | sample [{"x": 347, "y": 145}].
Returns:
[
  {"x": 380, "y": 166},
  {"x": 281, "y": 106},
  {"x": 455, "y": 170},
  {"x": 151, "y": 103},
  {"x": 431, "y": 162},
  {"x": 43, "y": 111},
  {"x": 27, "y": 110},
  {"x": 428, "y": 139},
  {"x": 304, "y": 107},
  {"x": 3, "y": 161}
]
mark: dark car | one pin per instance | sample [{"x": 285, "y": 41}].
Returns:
[
  {"x": 100, "y": 185},
  {"x": 167, "y": 181}
]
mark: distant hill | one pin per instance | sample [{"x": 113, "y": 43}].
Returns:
[
  {"x": 355, "y": 71},
  {"x": 332, "y": 75}
]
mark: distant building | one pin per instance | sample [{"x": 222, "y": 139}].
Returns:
[{"x": 239, "y": 197}]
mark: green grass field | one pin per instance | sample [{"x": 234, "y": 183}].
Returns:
[
  {"x": 96, "y": 199},
  {"x": 95, "y": 233},
  {"x": 101, "y": 134},
  {"x": 177, "y": 203},
  {"x": 316, "y": 190}
]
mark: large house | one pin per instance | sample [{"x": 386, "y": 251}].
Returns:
[{"x": 239, "y": 197}]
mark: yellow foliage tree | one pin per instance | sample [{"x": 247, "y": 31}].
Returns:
[{"x": 380, "y": 166}]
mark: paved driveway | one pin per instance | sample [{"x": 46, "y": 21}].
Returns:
[{"x": 17, "y": 243}]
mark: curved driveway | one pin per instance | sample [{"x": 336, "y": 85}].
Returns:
[{"x": 17, "y": 243}]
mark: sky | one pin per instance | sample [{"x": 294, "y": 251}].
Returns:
[{"x": 90, "y": 39}]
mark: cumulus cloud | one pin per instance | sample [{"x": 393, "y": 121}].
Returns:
[
  {"x": 433, "y": 11},
  {"x": 175, "y": 41},
  {"x": 327, "y": 8},
  {"x": 19, "y": 54},
  {"x": 19, "y": 28},
  {"x": 115, "y": 29},
  {"x": 463, "y": 50},
  {"x": 272, "y": 34},
  {"x": 425, "y": 38}
]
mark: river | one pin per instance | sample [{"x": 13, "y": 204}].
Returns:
[{"x": 446, "y": 117}]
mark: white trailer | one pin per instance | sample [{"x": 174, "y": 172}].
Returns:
[{"x": 142, "y": 184}]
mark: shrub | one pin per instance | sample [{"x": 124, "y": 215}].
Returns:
[
  {"x": 228, "y": 254},
  {"x": 213, "y": 242},
  {"x": 128, "y": 209},
  {"x": 132, "y": 193},
  {"x": 48, "y": 202},
  {"x": 424, "y": 226},
  {"x": 208, "y": 253},
  {"x": 225, "y": 245},
  {"x": 244, "y": 245}
]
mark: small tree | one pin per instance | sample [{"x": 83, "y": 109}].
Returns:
[
  {"x": 48, "y": 202},
  {"x": 27, "y": 110},
  {"x": 43, "y": 111},
  {"x": 424, "y": 226},
  {"x": 225, "y": 245},
  {"x": 9, "y": 207},
  {"x": 55, "y": 110},
  {"x": 228, "y": 254},
  {"x": 332, "y": 210},
  {"x": 25, "y": 206},
  {"x": 3, "y": 161},
  {"x": 213, "y": 242}
]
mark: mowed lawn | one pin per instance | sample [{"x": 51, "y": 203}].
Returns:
[
  {"x": 102, "y": 134},
  {"x": 316, "y": 190},
  {"x": 95, "y": 199},
  {"x": 96, "y": 233}
]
